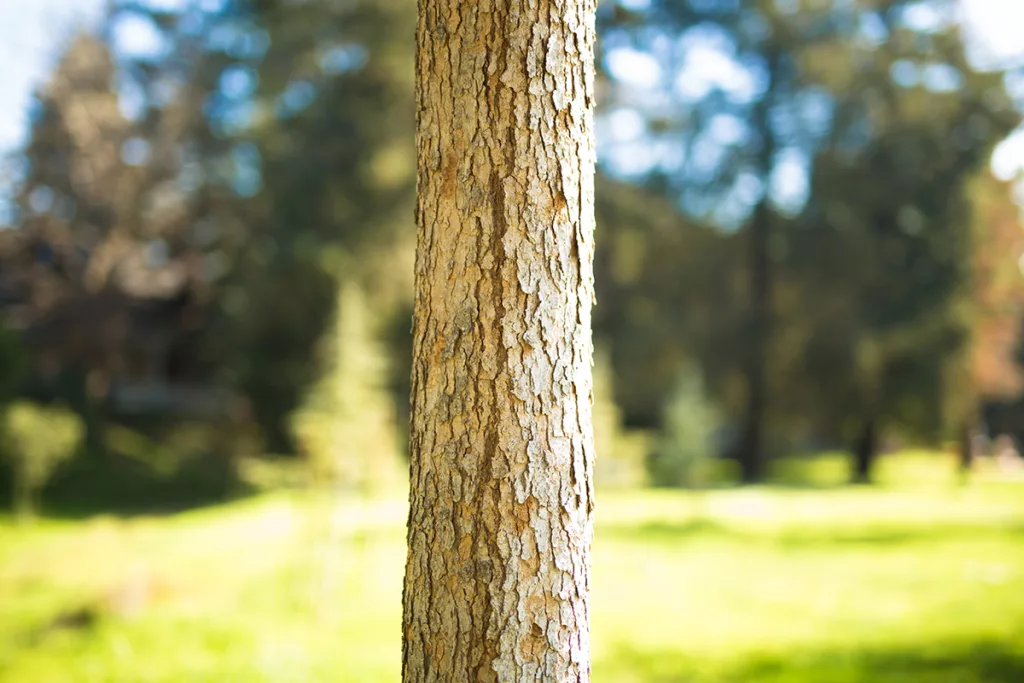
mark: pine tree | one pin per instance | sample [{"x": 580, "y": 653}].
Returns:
[
  {"x": 616, "y": 463},
  {"x": 346, "y": 424},
  {"x": 688, "y": 428}
]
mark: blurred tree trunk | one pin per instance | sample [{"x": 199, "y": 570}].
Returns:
[
  {"x": 24, "y": 505},
  {"x": 968, "y": 428},
  {"x": 751, "y": 453},
  {"x": 501, "y": 439},
  {"x": 751, "y": 456},
  {"x": 865, "y": 451}
]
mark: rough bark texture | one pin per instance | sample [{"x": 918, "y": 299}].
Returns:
[{"x": 501, "y": 447}]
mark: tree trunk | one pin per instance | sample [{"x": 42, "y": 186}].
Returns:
[
  {"x": 751, "y": 449},
  {"x": 968, "y": 428},
  {"x": 751, "y": 455},
  {"x": 501, "y": 439},
  {"x": 24, "y": 501},
  {"x": 865, "y": 452}
]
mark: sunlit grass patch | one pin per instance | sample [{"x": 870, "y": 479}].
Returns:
[{"x": 761, "y": 585}]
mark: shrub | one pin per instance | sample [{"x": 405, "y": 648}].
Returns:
[
  {"x": 685, "y": 453},
  {"x": 37, "y": 439}
]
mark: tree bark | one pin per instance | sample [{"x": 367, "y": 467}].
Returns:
[
  {"x": 501, "y": 439},
  {"x": 865, "y": 451}
]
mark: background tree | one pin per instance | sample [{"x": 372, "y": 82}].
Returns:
[
  {"x": 221, "y": 260},
  {"x": 618, "y": 461},
  {"x": 890, "y": 191},
  {"x": 346, "y": 425},
  {"x": 686, "y": 448},
  {"x": 996, "y": 297},
  {"x": 330, "y": 131},
  {"x": 751, "y": 148},
  {"x": 37, "y": 440},
  {"x": 720, "y": 144}
]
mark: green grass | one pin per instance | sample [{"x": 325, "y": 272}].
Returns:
[{"x": 909, "y": 584}]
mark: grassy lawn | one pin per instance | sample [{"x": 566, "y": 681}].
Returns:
[{"x": 896, "y": 584}]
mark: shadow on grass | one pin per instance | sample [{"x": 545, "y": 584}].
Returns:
[
  {"x": 939, "y": 662},
  {"x": 702, "y": 528},
  {"x": 124, "y": 487},
  {"x": 82, "y": 507}
]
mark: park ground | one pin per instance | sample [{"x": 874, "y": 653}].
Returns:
[{"x": 916, "y": 580}]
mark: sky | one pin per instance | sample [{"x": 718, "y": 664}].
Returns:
[
  {"x": 32, "y": 31},
  {"x": 31, "y": 35}
]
